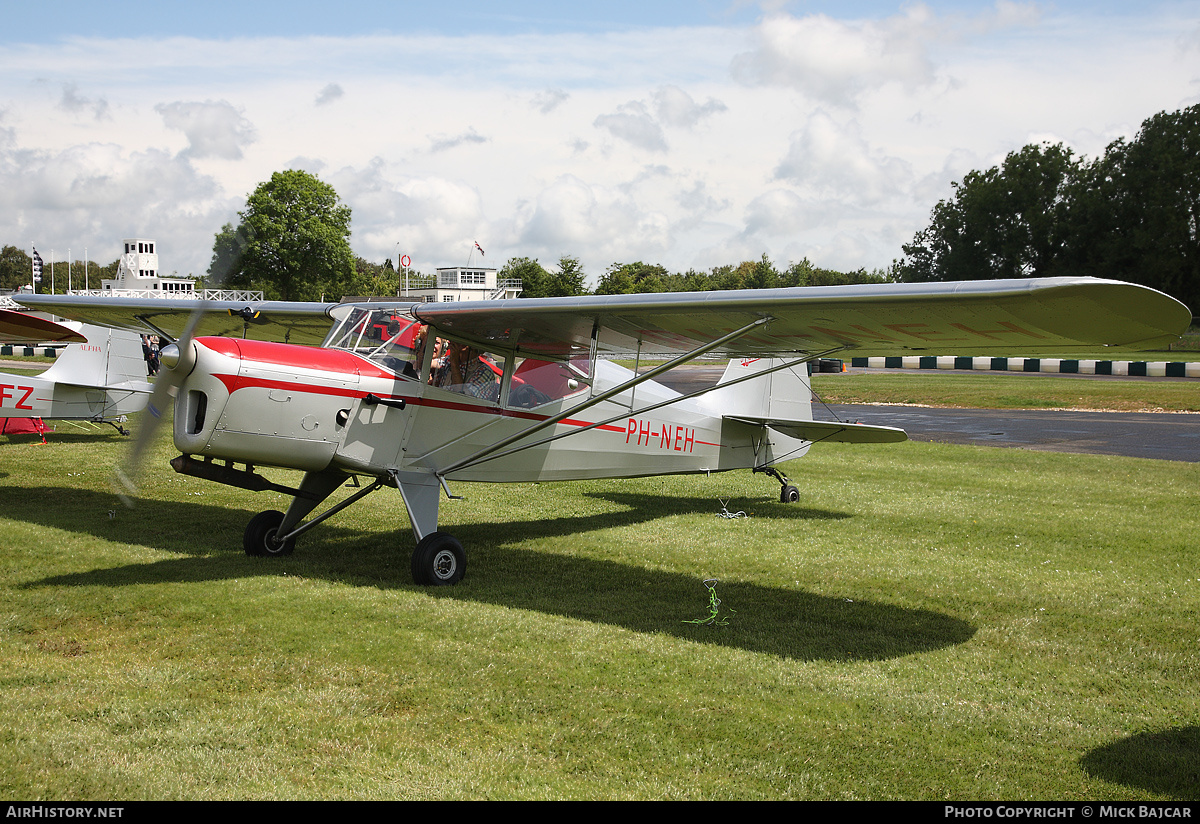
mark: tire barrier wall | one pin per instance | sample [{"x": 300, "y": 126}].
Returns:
[{"x": 1154, "y": 369}]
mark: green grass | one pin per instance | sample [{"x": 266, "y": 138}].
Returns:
[
  {"x": 930, "y": 622},
  {"x": 992, "y": 391}
]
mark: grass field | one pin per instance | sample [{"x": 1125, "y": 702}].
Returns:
[
  {"x": 1018, "y": 391},
  {"x": 930, "y": 622}
]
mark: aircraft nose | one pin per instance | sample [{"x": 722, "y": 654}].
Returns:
[
  {"x": 179, "y": 360},
  {"x": 169, "y": 356}
]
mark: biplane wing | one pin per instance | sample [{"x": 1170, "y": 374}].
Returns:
[{"x": 1043, "y": 317}]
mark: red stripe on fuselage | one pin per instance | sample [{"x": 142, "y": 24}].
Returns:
[
  {"x": 294, "y": 356},
  {"x": 235, "y": 382},
  {"x": 338, "y": 362}
]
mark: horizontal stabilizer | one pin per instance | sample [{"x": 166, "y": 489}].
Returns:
[{"x": 827, "y": 430}]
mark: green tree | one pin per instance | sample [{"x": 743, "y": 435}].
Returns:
[
  {"x": 531, "y": 274},
  {"x": 292, "y": 243},
  {"x": 1006, "y": 222},
  {"x": 628, "y": 278},
  {"x": 537, "y": 282},
  {"x": 759, "y": 274},
  {"x": 228, "y": 248},
  {"x": 1136, "y": 214},
  {"x": 568, "y": 280},
  {"x": 16, "y": 269},
  {"x": 372, "y": 279}
]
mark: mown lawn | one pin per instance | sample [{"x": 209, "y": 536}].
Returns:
[{"x": 929, "y": 622}]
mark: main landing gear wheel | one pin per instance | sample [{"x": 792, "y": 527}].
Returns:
[
  {"x": 438, "y": 560},
  {"x": 789, "y": 494},
  {"x": 259, "y": 538}
]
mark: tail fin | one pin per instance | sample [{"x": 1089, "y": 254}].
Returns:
[
  {"x": 783, "y": 401},
  {"x": 785, "y": 394},
  {"x": 110, "y": 358}
]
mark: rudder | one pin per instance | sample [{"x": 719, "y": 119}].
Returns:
[{"x": 785, "y": 394}]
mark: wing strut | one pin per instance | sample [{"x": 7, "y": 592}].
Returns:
[
  {"x": 658, "y": 405},
  {"x": 603, "y": 396}
]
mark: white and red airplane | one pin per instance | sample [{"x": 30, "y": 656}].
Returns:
[
  {"x": 416, "y": 396},
  {"x": 100, "y": 375}
]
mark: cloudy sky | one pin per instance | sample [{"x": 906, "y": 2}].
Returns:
[{"x": 690, "y": 134}]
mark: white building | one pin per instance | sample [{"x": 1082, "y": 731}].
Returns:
[
  {"x": 138, "y": 277},
  {"x": 138, "y": 272},
  {"x": 454, "y": 283}
]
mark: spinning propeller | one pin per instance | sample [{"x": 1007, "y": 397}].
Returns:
[{"x": 177, "y": 359}]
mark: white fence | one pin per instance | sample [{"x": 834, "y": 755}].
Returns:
[{"x": 207, "y": 294}]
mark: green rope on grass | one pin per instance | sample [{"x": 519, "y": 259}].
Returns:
[{"x": 714, "y": 608}]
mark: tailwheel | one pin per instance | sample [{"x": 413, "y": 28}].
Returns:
[
  {"x": 259, "y": 538},
  {"x": 438, "y": 560},
  {"x": 788, "y": 493}
]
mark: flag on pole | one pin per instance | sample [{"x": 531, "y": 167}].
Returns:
[
  {"x": 480, "y": 248},
  {"x": 37, "y": 266}
]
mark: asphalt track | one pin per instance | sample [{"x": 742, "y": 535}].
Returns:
[{"x": 1167, "y": 436}]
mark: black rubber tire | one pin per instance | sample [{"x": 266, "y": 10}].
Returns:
[
  {"x": 439, "y": 560},
  {"x": 259, "y": 538},
  {"x": 789, "y": 495}
]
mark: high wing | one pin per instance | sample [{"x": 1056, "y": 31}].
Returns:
[
  {"x": 1067, "y": 317},
  {"x": 272, "y": 320}
]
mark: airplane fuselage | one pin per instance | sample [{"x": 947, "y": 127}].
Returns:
[{"x": 315, "y": 409}]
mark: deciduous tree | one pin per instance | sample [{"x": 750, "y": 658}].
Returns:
[{"x": 292, "y": 243}]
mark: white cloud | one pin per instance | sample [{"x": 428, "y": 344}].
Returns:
[
  {"x": 835, "y": 159},
  {"x": 214, "y": 129},
  {"x": 780, "y": 212},
  {"x": 550, "y": 99},
  {"x": 330, "y": 93},
  {"x": 93, "y": 195},
  {"x": 675, "y": 107},
  {"x": 634, "y": 124},
  {"x": 571, "y": 214},
  {"x": 836, "y": 60},
  {"x": 72, "y": 101},
  {"x": 424, "y": 215},
  {"x": 442, "y": 143}
]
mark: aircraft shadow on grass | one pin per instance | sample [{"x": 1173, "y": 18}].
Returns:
[
  {"x": 1166, "y": 762},
  {"x": 786, "y": 622}
]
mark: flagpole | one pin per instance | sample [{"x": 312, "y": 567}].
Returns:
[{"x": 35, "y": 264}]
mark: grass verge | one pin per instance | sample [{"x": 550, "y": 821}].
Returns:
[{"x": 993, "y": 391}]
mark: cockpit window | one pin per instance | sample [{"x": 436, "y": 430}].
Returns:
[
  {"x": 389, "y": 337},
  {"x": 460, "y": 367},
  {"x": 538, "y": 382}
]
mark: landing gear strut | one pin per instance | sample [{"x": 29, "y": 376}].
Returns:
[
  {"x": 788, "y": 494},
  {"x": 438, "y": 560}
]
